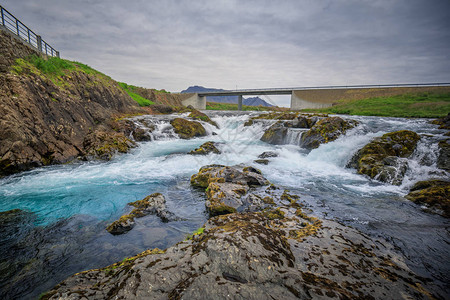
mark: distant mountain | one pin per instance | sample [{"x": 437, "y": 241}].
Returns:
[{"x": 253, "y": 101}]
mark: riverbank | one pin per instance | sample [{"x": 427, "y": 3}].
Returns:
[{"x": 423, "y": 105}]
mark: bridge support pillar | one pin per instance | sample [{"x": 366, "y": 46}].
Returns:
[
  {"x": 240, "y": 102},
  {"x": 196, "y": 101}
]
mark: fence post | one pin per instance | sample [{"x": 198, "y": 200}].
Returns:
[
  {"x": 17, "y": 27},
  {"x": 39, "y": 42},
  {"x": 3, "y": 16},
  {"x": 57, "y": 54},
  {"x": 29, "y": 38}
]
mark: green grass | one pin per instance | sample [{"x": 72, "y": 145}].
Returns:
[
  {"x": 423, "y": 105},
  {"x": 51, "y": 66},
  {"x": 233, "y": 106},
  {"x": 129, "y": 89},
  {"x": 139, "y": 99}
]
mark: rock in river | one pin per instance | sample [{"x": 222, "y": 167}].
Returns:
[
  {"x": 206, "y": 148},
  {"x": 227, "y": 188},
  {"x": 325, "y": 130},
  {"x": 187, "y": 129},
  {"x": 381, "y": 159},
  {"x": 443, "y": 161},
  {"x": 152, "y": 204},
  {"x": 434, "y": 193},
  {"x": 276, "y": 134}
]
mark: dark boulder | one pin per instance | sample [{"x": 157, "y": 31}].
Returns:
[
  {"x": 325, "y": 131},
  {"x": 384, "y": 157},
  {"x": 275, "y": 134},
  {"x": 268, "y": 154}
]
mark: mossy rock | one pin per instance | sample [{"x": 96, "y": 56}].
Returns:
[
  {"x": 275, "y": 134},
  {"x": 220, "y": 173},
  {"x": 433, "y": 193},
  {"x": 187, "y": 129},
  {"x": 381, "y": 158},
  {"x": 443, "y": 161},
  {"x": 105, "y": 145},
  {"x": 201, "y": 179},
  {"x": 206, "y": 148},
  {"x": 224, "y": 197},
  {"x": 443, "y": 122},
  {"x": 195, "y": 114},
  {"x": 152, "y": 204},
  {"x": 326, "y": 130},
  {"x": 261, "y": 161},
  {"x": 248, "y": 123}
]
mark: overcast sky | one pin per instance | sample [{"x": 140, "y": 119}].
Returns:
[{"x": 172, "y": 44}]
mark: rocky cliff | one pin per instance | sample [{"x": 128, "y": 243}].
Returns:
[{"x": 53, "y": 111}]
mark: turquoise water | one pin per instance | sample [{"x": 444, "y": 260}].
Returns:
[{"x": 73, "y": 203}]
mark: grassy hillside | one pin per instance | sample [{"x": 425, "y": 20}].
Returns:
[
  {"x": 56, "y": 68},
  {"x": 423, "y": 105}
]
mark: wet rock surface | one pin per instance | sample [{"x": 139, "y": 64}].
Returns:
[
  {"x": 206, "y": 148},
  {"x": 383, "y": 158},
  {"x": 187, "y": 129},
  {"x": 434, "y": 193},
  {"x": 227, "y": 188},
  {"x": 444, "y": 123},
  {"x": 262, "y": 161},
  {"x": 268, "y": 154},
  {"x": 443, "y": 161},
  {"x": 221, "y": 173},
  {"x": 277, "y": 252},
  {"x": 275, "y": 134},
  {"x": 152, "y": 204},
  {"x": 325, "y": 130}
]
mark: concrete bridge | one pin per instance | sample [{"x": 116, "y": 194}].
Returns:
[{"x": 323, "y": 96}]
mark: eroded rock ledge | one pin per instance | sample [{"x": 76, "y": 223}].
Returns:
[{"x": 276, "y": 252}]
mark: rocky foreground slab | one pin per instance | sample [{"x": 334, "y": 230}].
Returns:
[{"x": 276, "y": 252}]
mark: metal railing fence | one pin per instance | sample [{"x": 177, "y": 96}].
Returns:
[{"x": 14, "y": 25}]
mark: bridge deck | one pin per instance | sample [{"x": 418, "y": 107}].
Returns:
[{"x": 288, "y": 91}]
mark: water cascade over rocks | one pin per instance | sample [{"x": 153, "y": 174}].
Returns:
[{"x": 265, "y": 229}]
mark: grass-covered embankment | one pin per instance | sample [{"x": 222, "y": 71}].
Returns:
[
  {"x": 56, "y": 68},
  {"x": 133, "y": 92},
  {"x": 423, "y": 105},
  {"x": 233, "y": 106}
]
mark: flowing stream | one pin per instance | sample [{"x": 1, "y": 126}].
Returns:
[{"x": 67, "y": 207}]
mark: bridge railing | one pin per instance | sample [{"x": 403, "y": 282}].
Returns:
[{"x": 14, "y": 25}]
